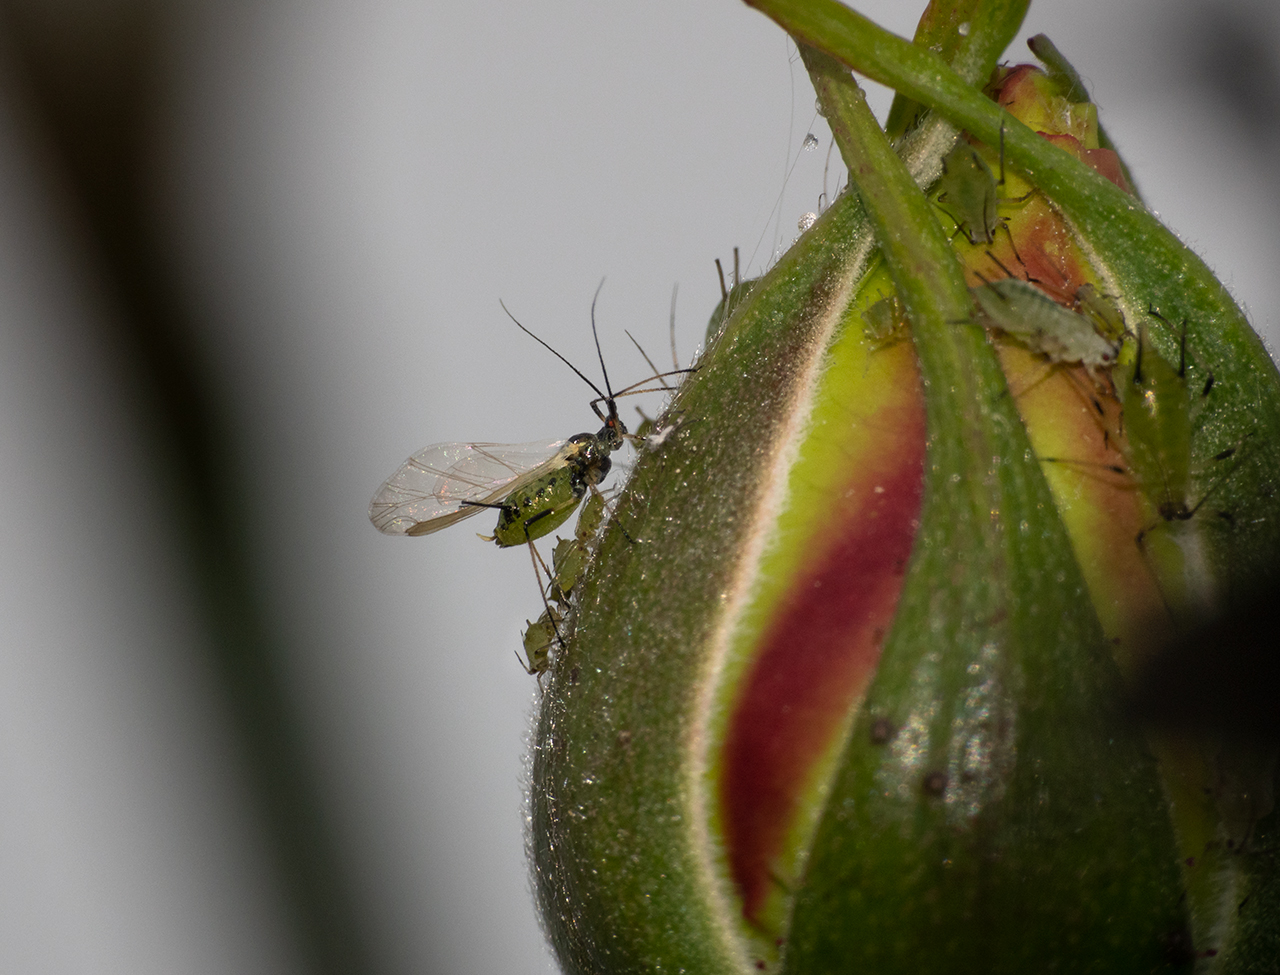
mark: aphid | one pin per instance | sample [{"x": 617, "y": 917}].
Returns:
[
  {"x": 568, "y": 561},
  {"x": 1158, "y": 407},
  {"x": 535, "y": 487},
  {"x": 966, "y": 192},
  {"x": 538, "y": 639},
  {"x": 1102, "y": 309},
  {"x": 570, "y": 556},
  {"x": 969, "y": 193},
  {"x": 885, "y": 320},
  {"x": 1020, "y": 309},
  {"x": 1158, "y": 411}
]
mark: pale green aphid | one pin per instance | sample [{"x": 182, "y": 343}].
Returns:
[
  {"x": 885, "y": 320},
  {"x": 570, "y": 556},
  {"x": 1158, "y": 419},
  {"x": 538, "y": 640},
  {"x": 1106, "y": 315},
  {"x": 967, "y": 192},
  {"x": 1020, "y": 309}
]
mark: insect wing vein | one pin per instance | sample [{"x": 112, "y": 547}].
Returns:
[{"x": 446, "y": 482}]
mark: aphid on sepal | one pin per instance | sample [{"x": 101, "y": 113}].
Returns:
[
  {"x": 969, "y": 193},
  {"x": 570, "y": 556},
  {"x": 1158, "y": 408},
  {"x": 538, "y": 639},
  {"x": 534, "y": 487},
  {"x": 1024, "y": 311},
  {"x": 569, "y": 560}
]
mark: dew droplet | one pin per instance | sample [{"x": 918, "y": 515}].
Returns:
[
  {"x": 807, "y": 221},
  {"x": 810, "y": 142},
  {"x": 817, "y": 107},
  {"x": 963, "y": 29}
]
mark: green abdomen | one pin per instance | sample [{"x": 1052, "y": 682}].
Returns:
[{"x": 538, "y": 508}]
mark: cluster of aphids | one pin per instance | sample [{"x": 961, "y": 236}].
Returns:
[
  {"x": 533, "y": 487},
  {"x": 1078, "y": 327},
  {"x": 569, "y": 561}
]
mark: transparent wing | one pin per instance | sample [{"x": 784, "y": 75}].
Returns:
[{"x": 428, "y": 492}]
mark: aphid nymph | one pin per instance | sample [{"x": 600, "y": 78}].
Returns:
[{"x": 969, "y": 193}]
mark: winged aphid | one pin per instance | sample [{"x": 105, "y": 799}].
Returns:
[{"x": 534, "y": 487}]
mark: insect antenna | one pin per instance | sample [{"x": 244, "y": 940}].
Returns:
[
  {"x": 558, "y": 355},
  {"x": 613, "y": 407},
  {"x": 660, "y": 376}
]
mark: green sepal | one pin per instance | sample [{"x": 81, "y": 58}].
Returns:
[{"x": 977, "y": 836}]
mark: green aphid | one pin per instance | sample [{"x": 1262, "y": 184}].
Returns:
[
  {"x": 1021, "y": 310},
  {"x": 539, "y": 638},
  {"x": 570, "y": 556},
  {"x": 885, "y": 321},
  {"x": 535, "y": 487},
  {"x": 1158, "y": 407},
  {"x": 544, "y": 504},
  {"x": 1157, "y": 417},
  {"x": 967, "y": 192},
  {"x": 1102, "y": 309}
]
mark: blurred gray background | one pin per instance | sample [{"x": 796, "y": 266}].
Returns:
[{"x": 250, "y": 258}]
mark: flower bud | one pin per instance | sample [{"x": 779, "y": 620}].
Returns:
[{"x": 843, "y": 686}]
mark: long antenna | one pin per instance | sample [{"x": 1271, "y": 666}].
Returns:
[
  {"x": 596, "y": 336},
  {"x": 562, "y": 358}
]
